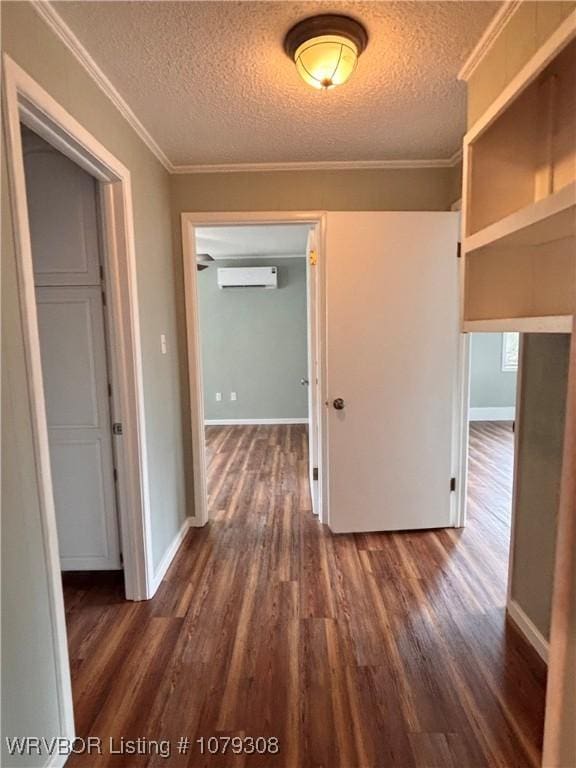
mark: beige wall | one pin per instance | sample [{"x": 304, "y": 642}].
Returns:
[
  {"x": 28, "y": 671},
  {"x": 418, "y": 189},
  {"x": 529, "y": 27}
]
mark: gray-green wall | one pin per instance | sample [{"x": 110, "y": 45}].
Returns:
[
  {"x": 541, "y": 417},
  {"x": 254, "y": 343},
  {"x": 28, "y": 689},
  {"x": 490, "y": 386}
]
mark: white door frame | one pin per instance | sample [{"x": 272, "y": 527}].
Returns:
[
  {"x": 460, "y": 435},
  {"x": 189, "y": 221},
  {"x": 26, "y": 102},
  {"x": 314, "y": 397}
]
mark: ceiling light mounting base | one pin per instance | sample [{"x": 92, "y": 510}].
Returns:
[{"x": 325, "y": 24}]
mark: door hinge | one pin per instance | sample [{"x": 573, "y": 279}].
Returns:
[
  {"x": 314, "y": 473},
  {"x": 103, "y": 298},
  {"x": 459, "y": 250},
  {"x": 313, "y": 258},
  {"x": 121, "y": 559},
  {"x": 109, "y": 389},
  {"x": 115, "y": 472},
  {"x": 116, "y": 428},
  {"x": 452, "y": 484},
  {"x": 101, "y": 272}
]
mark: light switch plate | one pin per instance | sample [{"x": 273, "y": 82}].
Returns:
[
  {"x": 233, "y": 396},
  {"x": 218, "y": 396}
]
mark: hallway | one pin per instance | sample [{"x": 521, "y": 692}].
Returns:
[{"x": 353, "y": 650}]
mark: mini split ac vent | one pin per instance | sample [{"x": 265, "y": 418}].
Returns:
[{"x": 247, "y": 277}]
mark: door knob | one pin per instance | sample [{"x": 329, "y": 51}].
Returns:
[
  {"x": 338, "y": 404},
  {"x": 304, "y": 382}
]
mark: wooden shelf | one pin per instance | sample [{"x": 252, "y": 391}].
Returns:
[
  {"x": 547, "y": 220},
  {"x": 546, "y": 324},
  {"x": 519, "y": 212}
]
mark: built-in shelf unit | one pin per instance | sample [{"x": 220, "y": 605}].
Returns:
[{"x": 519, "y": 203}]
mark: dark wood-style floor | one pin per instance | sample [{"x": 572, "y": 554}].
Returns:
[{"x": 354, "y": 650}]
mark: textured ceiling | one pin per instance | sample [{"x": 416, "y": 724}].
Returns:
[
  {"x": 260, "y": 241},
  {"x": 211, "y": 83}
]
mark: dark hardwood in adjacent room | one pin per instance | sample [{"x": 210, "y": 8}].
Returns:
[{"x": 367, "y": 651}]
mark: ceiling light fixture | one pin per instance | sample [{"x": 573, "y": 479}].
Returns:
[{"x": 325, "y": 49}]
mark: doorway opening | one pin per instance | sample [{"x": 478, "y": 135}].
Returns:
[
  {"x": 252, "y": 301},
  {"x": 517, "y": 396},
  {"x": 493, "y": 380},
  {"x": 74, "y": 332}
]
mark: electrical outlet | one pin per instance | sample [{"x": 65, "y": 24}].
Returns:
[
  {"x": 233, "y": 396},
  {"x": 218, "y": 396}
]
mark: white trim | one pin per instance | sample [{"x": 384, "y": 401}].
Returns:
[
  {"x": 53, "y": 19},
  {"x": 320, "y": 165},
  {"x": 195, "y": 375},
  {"x": 170, "y": 554},
  {"x": 460, "y": 431},
  {"x": 488, "y": 38},
  {"x": 529, "y": 630},
  {"x": 189, "y": 221},
  {"x": 231, "y": 422},
  {"x": 518, "y": 428},
  {"x": 35, "y": 395},
  {"x": 543, "y": 324},
  {"x": 559, "y": 39},
  {"x": 456, "y": 158},
  {"x": 496, "y": 413},
  {"x": 27, "y": 102},
  {"x": 56, "y": 761}
]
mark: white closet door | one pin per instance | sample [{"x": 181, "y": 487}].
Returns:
[
  {"x": 392, "y": 347},
  {"x": 62, "y": 206},
  {"x": 71, "y": 327}
]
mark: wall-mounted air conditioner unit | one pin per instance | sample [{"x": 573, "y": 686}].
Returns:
[{"x": 247, "y": 277}]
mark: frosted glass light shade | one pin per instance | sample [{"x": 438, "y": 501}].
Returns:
[{"x": 326, "y": 61}]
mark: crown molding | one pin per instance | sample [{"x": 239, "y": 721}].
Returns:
[
  {"x": 489, "y": 36},
  {"x": 456, "y": 158},
  {"x": 45, "y": 10},
  {"x": 328, "y": 165}
]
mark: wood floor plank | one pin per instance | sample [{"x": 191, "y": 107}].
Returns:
[{"x": 355, "y": 651}]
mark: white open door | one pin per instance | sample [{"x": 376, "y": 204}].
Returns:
[
  {"x": 313, "y": 377},
  {"x": 392, "y": 349}
]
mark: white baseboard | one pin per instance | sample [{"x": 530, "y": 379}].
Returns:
[
  {"x": 230, "y": 422},
  {"x": 504, "y": 413},
  {"x": 169, "y": 555},
  {"x": 527, "y": 627},
  {"x": 58, "y": 761}
]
